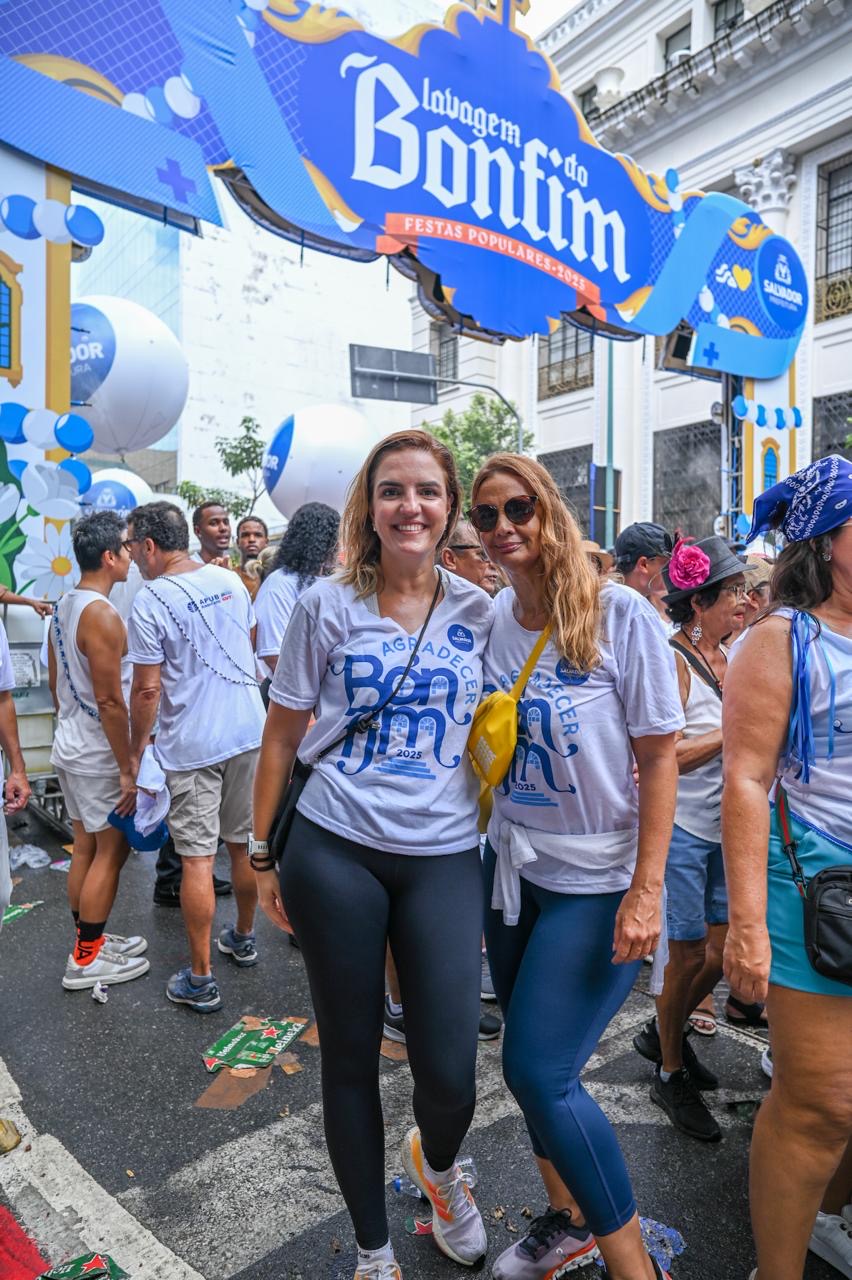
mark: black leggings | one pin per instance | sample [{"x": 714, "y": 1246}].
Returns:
[{"x": 345, "y": 902}]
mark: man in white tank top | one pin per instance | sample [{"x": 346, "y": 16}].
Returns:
[{"x": 90, "y": 681}]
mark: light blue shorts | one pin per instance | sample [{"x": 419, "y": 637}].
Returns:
[
  {"x": 784, "y": 909},
  {"x": 695, "y": 886}
]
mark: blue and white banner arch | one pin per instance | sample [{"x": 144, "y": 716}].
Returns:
[{"x": 451, "y": 149}]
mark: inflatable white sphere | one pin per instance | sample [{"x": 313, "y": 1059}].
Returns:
[
  {"x": 314, "y": 456},
  {"x": 116, "y": 489},
  {"x": 129, "y": 376}
]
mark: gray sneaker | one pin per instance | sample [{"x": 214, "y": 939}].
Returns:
[
  {"x": 135, "y": 945},
  {"x": 552, "y": 1247},
  {"x": 457, "y": 1226},
  {"x": 109, "y": 968}
]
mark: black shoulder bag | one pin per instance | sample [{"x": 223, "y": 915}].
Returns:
[
  {"x": 827, "y": 905},
  {"x": 283, "y": 820}
]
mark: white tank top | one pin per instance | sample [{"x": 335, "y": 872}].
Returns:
[
  {"x": 80, "y": 744},
  {"x": 699, "y": 793}
]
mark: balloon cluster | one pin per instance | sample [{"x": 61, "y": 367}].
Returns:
[
  {"x": 46, "y": 429},
  {"x": 163, "y": 103},
  {"x": 51, "y": 220},
  {"x": 760, "y": 415}
]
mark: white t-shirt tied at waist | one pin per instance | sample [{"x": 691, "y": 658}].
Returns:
[{"x": 604, "y": 863}]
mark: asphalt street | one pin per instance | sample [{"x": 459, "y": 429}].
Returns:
[{"x": 118, "y": 1155}]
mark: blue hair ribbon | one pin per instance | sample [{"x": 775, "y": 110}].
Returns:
[{"x": 801, "y": 748}]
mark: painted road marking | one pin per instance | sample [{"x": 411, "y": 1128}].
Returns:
[
  {"x": 285, "y": 1165},
  {"x": 66, "y": 1211}
]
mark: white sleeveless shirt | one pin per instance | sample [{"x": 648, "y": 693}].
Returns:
[
  {"x": 699, "y": 793},
  {"x": 80, "y": 744}
]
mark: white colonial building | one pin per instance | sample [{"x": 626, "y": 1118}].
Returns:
[{"x": 748, "y": 97}]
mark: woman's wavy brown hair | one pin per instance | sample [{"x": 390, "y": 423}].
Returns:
[
  {"x": 360, "y": 546},
  {"x": 572, "y": 589}
]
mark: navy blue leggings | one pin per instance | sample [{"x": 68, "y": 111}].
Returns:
[{"x": 558, "y": 988}]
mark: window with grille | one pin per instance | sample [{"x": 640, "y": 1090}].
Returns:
[
  {"x": 677, "y": 46},
  {"x": 565, "y": 361},
  {"x": 769, "y": 470},
  {"x": 834, "y": 239},
  {"x": 11, "y": 299},
  {"x": 570, "y": 470},
  {"x": 831, "y": 425},
  {"x": 727, "y": 14},
  {"x": 445, "y": 348},
  {"x": 687, "y": 478},
  {"x": 586, "y": 101}
]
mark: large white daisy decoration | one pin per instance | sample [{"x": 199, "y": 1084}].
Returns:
[
  {"x": 47, "y": 567},
  {"x": 50, "y": 491},
  {"x": 10, "y": 496}
]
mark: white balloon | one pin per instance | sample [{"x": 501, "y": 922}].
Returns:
[
  {"x": 38, "y": 426},
  {"x": 128, "y": 373},
  {"x": 116, "y": 489},
  {"x": 181, "y": 99},
  {"x": 49, "y": 221},
  {"x": 314, "y": 456}
]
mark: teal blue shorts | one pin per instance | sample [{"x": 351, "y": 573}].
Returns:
[{"x": 784, "y": 907}]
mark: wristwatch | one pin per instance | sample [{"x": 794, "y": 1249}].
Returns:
[{"x": 257, "y": 846}]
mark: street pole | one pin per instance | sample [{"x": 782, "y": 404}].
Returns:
[{"x": 610, "y": 473}]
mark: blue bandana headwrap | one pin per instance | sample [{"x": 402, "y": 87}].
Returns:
[{"x": 808, "y": 503}]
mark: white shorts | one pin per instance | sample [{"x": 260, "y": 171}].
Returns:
[{"x": 89, "y": 799}]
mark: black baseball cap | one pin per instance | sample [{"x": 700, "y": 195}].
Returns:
[{"x": 642, "y": 539}]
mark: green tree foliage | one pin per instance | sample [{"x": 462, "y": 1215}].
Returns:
[
  {"x": 486, "y": 426},
  {"x": 240, "y": 455}
]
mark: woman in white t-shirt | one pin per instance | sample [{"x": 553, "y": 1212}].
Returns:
[
  {"x": 575, "y": 855},
  {"x": 384, "y": 845},
  {"x": 305, "y": 553}
]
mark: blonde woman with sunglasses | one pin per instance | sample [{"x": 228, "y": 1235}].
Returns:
[{"x": 575, "y": 855}]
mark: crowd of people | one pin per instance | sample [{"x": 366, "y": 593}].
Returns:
[{"x": 678, "y": 793}]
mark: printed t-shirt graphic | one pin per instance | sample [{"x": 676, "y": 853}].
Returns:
[
  {"x": 573, "y": 765},
  {"x": 405, "y": 785}
]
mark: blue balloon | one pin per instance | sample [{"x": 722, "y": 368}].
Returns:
[
  {"x": 11, "y": 417},
  {"x": 740, "y": 406},
  {"x": 80, "y": 472},
  {"x": 73, "y": 432},
  {"x": 156, "y": 99},
  {"x": 16, "y": 214},
  {"x": 84, "y": 224},
  {"x": 17, "y": 466}
]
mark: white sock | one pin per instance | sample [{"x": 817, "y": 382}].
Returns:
[
  {"x": 394, "y": 1009},
  {"x": 385, "y": 1254},
  {"x": 665, "y": 1076}
]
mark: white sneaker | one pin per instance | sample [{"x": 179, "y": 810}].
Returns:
[
  {"x": 831, "y": 1240},
  {"x": 379, "y": 1269},
  {"x": 109, "y": 968},
  {"x": 766, "y": 1062},
  {"x": 132, "y": 946},
  {"x": 457, "y": 1226}
]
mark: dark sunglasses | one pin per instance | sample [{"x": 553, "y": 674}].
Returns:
[{"x": 484, "y": 515}]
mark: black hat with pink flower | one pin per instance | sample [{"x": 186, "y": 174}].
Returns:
[{"x": 696, "y": 565}]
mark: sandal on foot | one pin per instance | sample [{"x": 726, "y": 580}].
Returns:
[
  {"x": 703, "y": 1021},
  {"x": 745, "y": 1015}
]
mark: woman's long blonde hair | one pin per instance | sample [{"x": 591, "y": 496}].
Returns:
[
  {"x": 572, "y": 589},
  {"x": 361, "y": 549}
]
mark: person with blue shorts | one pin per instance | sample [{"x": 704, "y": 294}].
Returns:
[
  {"x": 787, "y": 731},
  {"x": 706, "y": 600}
]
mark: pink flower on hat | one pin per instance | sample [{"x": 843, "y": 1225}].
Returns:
[{"x": 689, "y": 567}]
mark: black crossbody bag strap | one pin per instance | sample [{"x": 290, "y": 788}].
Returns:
[{"x": 697, "y": 667}]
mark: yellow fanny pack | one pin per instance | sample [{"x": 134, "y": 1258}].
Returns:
[{"x": 494, "y": 733}]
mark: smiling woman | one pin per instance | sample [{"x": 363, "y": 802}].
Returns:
[{"x": 384, "y": 845}]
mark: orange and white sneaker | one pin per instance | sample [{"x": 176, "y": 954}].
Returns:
[
  {"x": 378, "y": 1269},
  {"x": 457, "y": 1225}
]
